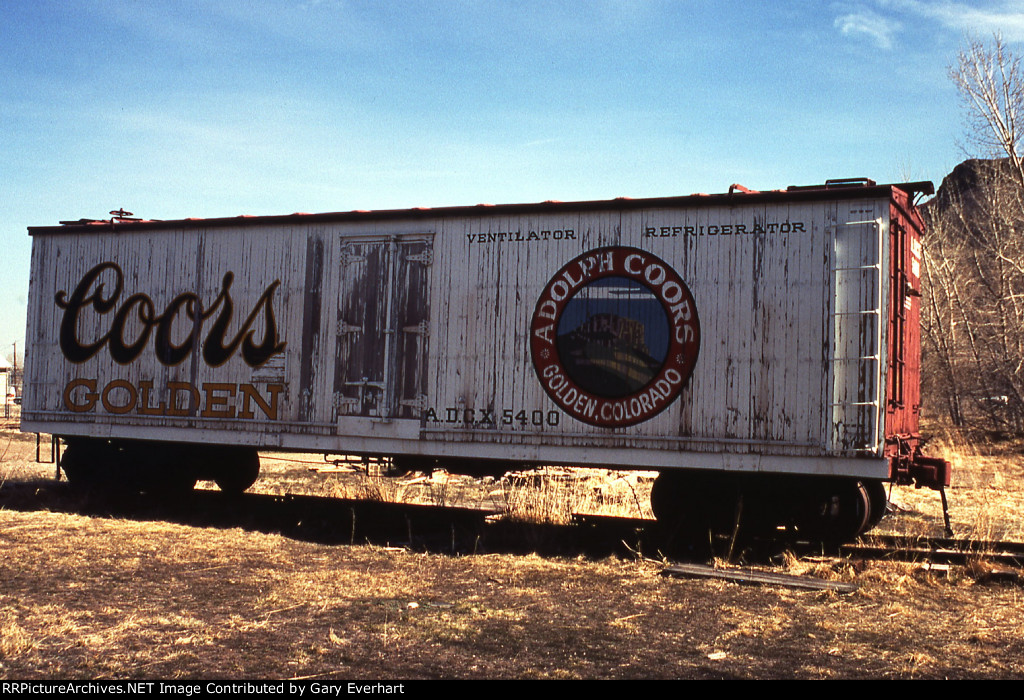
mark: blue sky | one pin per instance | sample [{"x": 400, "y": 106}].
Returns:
[{"x": 217, "y": 108}]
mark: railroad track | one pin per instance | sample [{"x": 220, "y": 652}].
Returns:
[
  {"x": 937, "y": 550},
  {"x": 338, "y": 519},
  {"x": 990, "y": 559}
]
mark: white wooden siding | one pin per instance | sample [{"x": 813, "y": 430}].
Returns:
[{"x": 773, "y": 384}]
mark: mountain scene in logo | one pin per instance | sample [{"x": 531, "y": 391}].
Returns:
[{"x": 613, "y": 337}]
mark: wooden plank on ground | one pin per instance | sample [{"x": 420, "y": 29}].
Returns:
[{"x": 749, "y": 576}]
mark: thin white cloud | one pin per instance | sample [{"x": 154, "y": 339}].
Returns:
[
  {"x": 1006, "y": 17},
  {"x": 867, "y": 24}
]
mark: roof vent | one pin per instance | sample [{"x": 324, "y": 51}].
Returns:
[
  {"x": 122, "y": 215},
  {"x": 736, "y": 187},
  {"x": 849, "y": 182}
]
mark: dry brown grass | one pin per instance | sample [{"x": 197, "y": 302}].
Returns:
[
  {"x": 546, "y": 495},
  {"x": 554, "y": 495},
  {"x": 986, "y": 498},
  {"x": 128, "y": 599},
  {"x": 93, "y": 596}
]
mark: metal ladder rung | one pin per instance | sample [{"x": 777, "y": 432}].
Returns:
[
  {"x": 877, "y": 266},
  {"x": 864, "y": 312}
]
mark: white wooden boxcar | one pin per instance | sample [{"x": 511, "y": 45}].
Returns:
[{"x": 763, "y": 339}]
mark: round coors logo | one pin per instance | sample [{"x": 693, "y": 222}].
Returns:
[{"x": 615, "y": 336}]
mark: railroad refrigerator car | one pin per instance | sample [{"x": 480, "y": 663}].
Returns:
[{"x": 748, "y": 345}]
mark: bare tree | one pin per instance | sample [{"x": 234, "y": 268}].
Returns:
[
  {"x": 973, "y": 320},
  {"x": 991, "y": 86}
]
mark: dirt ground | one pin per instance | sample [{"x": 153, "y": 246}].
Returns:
[{"x": 97, "y": 590}]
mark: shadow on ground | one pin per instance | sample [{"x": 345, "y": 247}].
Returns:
[
  {"x": 337, "y": 521},
  {"x": 426, "y": 528}
]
